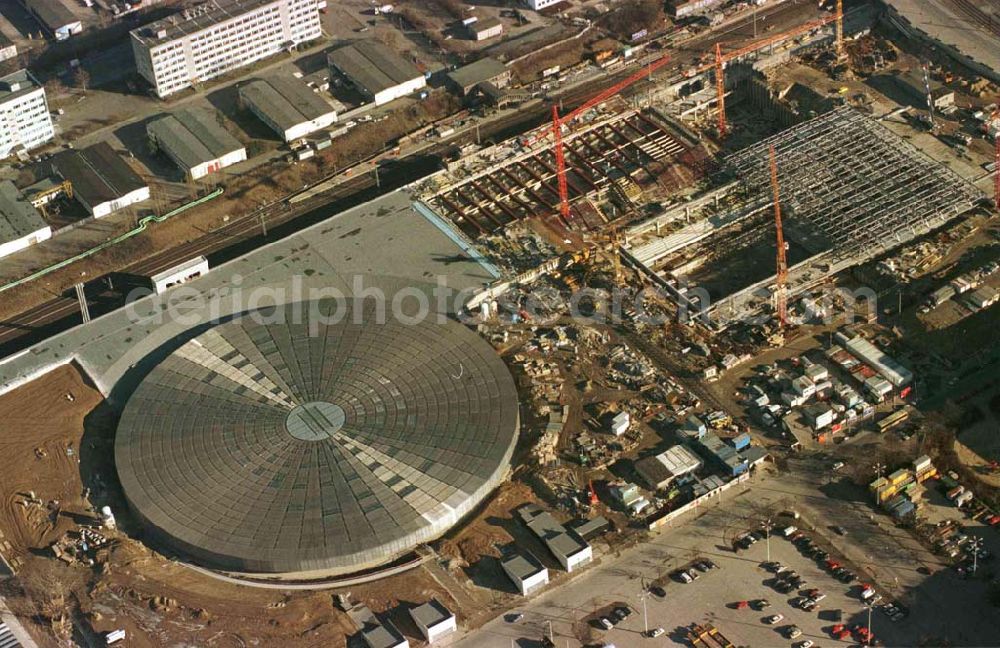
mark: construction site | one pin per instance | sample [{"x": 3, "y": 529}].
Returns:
[{"x": 653, "y": 280}]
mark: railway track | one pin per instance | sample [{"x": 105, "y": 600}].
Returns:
[{"x": 976, "y": 15}]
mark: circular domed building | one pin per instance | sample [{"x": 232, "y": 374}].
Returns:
[{"x": 312, "y": 445}]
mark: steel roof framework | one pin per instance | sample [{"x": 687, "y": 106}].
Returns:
[{"x": 860, "y": 185}]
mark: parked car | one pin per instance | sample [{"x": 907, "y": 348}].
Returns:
[
  {"x": 606, "y": 623},
  {"x": 701, "y": 566},
  {"x": 808, "y": 643},
  {"x": 656, "y": 632},
  {"x": 775, "y": 619},
  {"x": 761, "y": 604},
  {"x": 657, "y": 591},
  {"x": 693, "y": 574},
  {"x": 840, "y": 530},
  {"x": 683, "y": 576},
  {"x": 793, "y": 632}
]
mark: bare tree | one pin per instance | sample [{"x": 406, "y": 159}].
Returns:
[{"x": 82, "y": 78}]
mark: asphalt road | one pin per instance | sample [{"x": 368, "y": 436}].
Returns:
[{"x": 942, "y": 606}]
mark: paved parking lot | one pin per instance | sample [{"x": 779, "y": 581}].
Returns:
[{"x": 941, "y": 604}]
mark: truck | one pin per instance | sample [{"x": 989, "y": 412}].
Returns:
[{"x": 955, "y": 492}]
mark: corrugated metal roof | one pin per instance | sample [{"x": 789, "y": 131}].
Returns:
[
  {"x": 373, "y": 66},
  {"x": 97, "y": 173},
  {"x": 51, "y": 13},
  {"x": 193, "y": 136},
  {"x": 485, "y": 69},
  {"x": 287, "y": 102}
]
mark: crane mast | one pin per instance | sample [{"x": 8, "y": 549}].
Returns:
[
  {"x": 560, "y": 167},
  {"x": 782, "y": 263},
  {"x": 720, "y": 88},
  {"x": 721, "y": 59},
  {"x": 558, "y": 122}
]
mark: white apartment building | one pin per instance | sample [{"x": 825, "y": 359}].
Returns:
[
  {"x": 541, "y": 4},
  {"x": 24, "y": 114},
  {"x": 219, "y": 36}
]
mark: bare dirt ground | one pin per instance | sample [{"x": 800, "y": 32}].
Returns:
[
  {"x": 481, "y": 536},
  {"x": 979, "y": 444},
  {"x": 58, "y": 428}
]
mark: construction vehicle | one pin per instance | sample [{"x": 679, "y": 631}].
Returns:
[{"x": 708, "y": 636}]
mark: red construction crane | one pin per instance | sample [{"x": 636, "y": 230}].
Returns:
[
  {"x": 560, "y": 167},
  {"x": 558, "y": 122},
  {"x": 720, "y": 89},
  {"x": 995, "y": 120},
  {"x": 781, "y": 283},
  {"x": 996, "y": 170},
  {"x": 722, "y": 58},
  {"x": 838, "y": 16}
]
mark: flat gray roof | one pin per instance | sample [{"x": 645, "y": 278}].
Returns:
[
  {"x": 192, "y": 136},
  {"x": 16, "y": 84},
  {"x": 556, "y": 537},
  {"x": 192, "y": 21},
  {"x": 484, "y": 69},
  {"x": 51, "y": 13},
  {"x": 522, "y": 566},
  {"x": 17, "y": 217},
  {"x": 373, "y": 66},
  {"x": 383, "y": 635},
  {"x": 286, "y": 101},
  {"x": 430, "y": 613},
  {"x": 485, "y": 24}
]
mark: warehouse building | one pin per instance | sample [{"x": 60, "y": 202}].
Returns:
[
  {"x": 57, "y": 21},
  {"x": 661, "y": 470},
  {"x": 195, "y": 142},
  {"x": 565, "y": 545},
  {"x": 376, "y": 71},
  {"x": 487, "y": 28},
  {"x": 20, "y": 224},
  {"x": 467, "y": 78},
  {"x": 288, "y": 106},
  {"x": 100, "y": 179},
  {"x": 25, "y": 122},
  {"x": 8, "y": 49},
  {"x": 434, "y": 620},
  {"x": 216, "y": 37},
  {"x": 526, "y": 572}
]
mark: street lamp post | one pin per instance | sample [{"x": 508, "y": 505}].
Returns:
[
  {"x": 869, "y": 637},
  {"x": 878, "y": 475},
  {"x": 645, "y": 619},
  {"x": 975, "y": 544},
  {"x": 767, "y": 538}
]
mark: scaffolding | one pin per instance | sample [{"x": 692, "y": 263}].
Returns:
[{"x": 854, "y": 184}]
